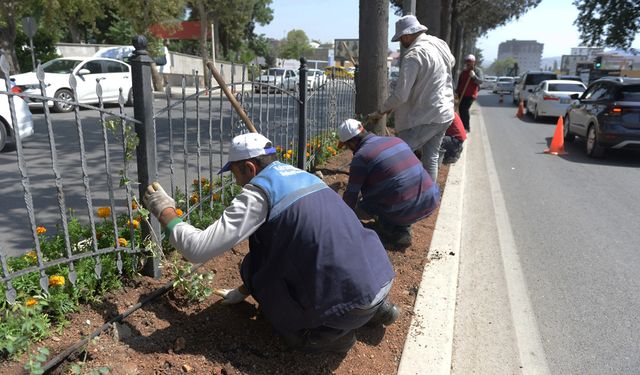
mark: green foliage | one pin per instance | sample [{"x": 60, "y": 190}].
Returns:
[
  {"x": 44, "y": 45},
  {"x": 196, "y": 287},
  {"x": 35, "y": 361},
  {"x": 119, "y": 30},
  {"x": 296, "y": 45},
  {"x": 608, "y": 23},
  {"x": 19, "y": 325},
  {"x": 502, "y": 67}
]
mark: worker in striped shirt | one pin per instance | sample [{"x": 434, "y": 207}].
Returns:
[{"x": 393, "y": 184}]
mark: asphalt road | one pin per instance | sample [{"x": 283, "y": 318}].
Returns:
[
  {"x": 276, "y": 116},
  {"x": 549, "y": 262}
]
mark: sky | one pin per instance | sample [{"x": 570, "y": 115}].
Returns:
[{"x": 550, "y": 23}]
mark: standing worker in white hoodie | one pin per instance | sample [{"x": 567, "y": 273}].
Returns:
[{"x": 423, "y": 99}]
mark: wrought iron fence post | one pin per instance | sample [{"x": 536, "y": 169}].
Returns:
[
  {"x": 302, "y": 114},
  {"x": 146, "y": 151}
]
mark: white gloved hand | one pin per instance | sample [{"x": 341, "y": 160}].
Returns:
[
  {"x": 156, "y": 199},
  {"x": 230, "y": 296},
  {"x": 473, "y": 74}
]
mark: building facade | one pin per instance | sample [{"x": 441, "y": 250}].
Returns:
[{"x": 527, "y": 53}]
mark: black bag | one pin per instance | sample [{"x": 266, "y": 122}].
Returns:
[{"x": 161, "y": 60}]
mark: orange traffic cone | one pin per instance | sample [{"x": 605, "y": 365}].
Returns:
[
  {"x": 520, "y": 112},
  {"x": 557, "y": 143}
]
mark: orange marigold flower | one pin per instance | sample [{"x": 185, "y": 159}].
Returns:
[
  {"x": 56, "y": 280},
  {"x": 122, "y": 241},
  {"x": 135, "y": 223},
  {"x": 194, "y": 198},
  {"x": 204, "y": 180},
  {"x": 288, "y": 156},
  {"x": 195, "y": 181},
  {"x": 41, "y": 230},
  {"x": 31, "y": 301},
  {"x": 179, "y": 212},
  {"x": 308, "y": 154},
  {"x": 104, "y": 212},
  {"x": 289, "y": 152},
  {"x": 278, "y": 149},
  {"x": 32, "y": 254},
  {"x": 215, "y": 197},
  {"x": 308, "y": 145},
  {"x": 134, "y": 205}
]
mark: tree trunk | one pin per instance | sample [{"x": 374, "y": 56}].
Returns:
[
  {"x": 371, "y": 83},
  {"x": 445, "y": 21},
  {"x": 74, "y": 32},
  {"x": 8, "y": 35},
  {"x": 428, "y": 13},
  {"x": 203, "y": 40}
]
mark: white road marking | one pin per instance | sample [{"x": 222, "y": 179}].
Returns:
[{"x": 532, "y": 356}]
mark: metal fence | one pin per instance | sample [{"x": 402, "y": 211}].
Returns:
[{"x": 88, "y": 168}]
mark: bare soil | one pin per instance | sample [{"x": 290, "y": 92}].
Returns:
[{"x": 171, "y": 336}]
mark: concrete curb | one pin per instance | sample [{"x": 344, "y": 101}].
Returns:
[{"x": 429, "y": 344}]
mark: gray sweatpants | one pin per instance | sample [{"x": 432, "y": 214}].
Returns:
[{"x": 426, "y": 139}]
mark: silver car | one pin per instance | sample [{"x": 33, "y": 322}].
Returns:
[{"x": 23, "y": 117}]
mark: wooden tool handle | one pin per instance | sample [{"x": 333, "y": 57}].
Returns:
[{"x": 231, "y": 97}]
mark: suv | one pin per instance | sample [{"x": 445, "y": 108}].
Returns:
[
  {"x": 281, "y": 78},
  {"x": 607, "y": 115},
  {"x": 504, "y": 85},
  {"x": 528, "y": 82}
]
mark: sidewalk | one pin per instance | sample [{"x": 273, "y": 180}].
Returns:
[{"x": 429, "y": 344}]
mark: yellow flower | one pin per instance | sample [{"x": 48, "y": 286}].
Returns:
[
  {"x": 288, "y": 156},
  {"x": 134, "y": 205},
  {"x": 32, "y": 254},
  {"x": 122, "y": 241},
  {"x": 31, "y": 301},
  {"x": 278, "y": 149},
  {"x": 104, "y": 212},
  {"x": 41, "y": 230},
  {"x": 289, "y": 152},
  {"x": 215, "y": 197},
  {"x": 136, "y": 223},
  {"x": 308, "y": 154},
  {"x": 56, "y": 280},
  {"x": 179, "y": 212},
  {"x": 194, "y": 198},
  {"x": 204, "y": 180}
]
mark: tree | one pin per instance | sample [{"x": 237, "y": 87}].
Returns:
[
  {"x": 75, "y": 16},
  {"x": 295, "y": 45},
  {"x": 502, "y": 67},
  {"x": 608, "y": 23},
  {"x": 371, "y": 83}
]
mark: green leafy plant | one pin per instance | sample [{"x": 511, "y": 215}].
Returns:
[
  {"x": 35, "y": 361},
  {"x": 195, "y": 287}
]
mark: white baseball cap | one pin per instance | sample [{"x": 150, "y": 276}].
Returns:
[
  {"x": 407, "y": 25},
  {"x": 247, "y": 146},
  {"x": 469, "y": 58},
  {"x": 349, "y": 129}
]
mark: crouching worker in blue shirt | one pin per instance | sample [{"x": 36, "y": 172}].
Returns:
[{"x": 316, "y": 272}]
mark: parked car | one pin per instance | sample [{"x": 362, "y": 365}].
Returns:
[
  {"x": 113, "y": 75},
  {"x": 315, "y": 79},
  {"x": 284, "y": 79},
  {"x": 23, "y": 117},
  {"x": 489, "y": 82},
  {"x": 504, "y": 85},
  {"x": 607, "y": 114},
  {"x": 338, "y": 72},
  {"x": 528, "y": 82},
  {"x": 552, "y": 97}
]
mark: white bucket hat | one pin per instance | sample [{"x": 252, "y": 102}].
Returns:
[
  {"x": 247, "y": 146},
  {"x": 349, "y": 129},
  {"x": 407, "y": 25},
  {"x": 469, "y": 58}
]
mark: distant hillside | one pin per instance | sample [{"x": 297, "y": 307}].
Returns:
[{"x": 546, "y": 63}]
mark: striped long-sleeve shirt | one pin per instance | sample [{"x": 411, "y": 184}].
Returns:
[{"x": 393, "y": 182}]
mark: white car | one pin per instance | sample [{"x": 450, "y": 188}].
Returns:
[
  {"x": 504, "y": 85},
  {"x": 285, "y": 79},
  {"x": 553, "y": 97},
  {"x": 315, "y": 78},
  {"x": 489, "y": 82},
  {"x": 112, "y": 74},
  {"x": 23, "y": 117}
]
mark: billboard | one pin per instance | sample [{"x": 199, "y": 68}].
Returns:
[{"x": 347, "y": 50}]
